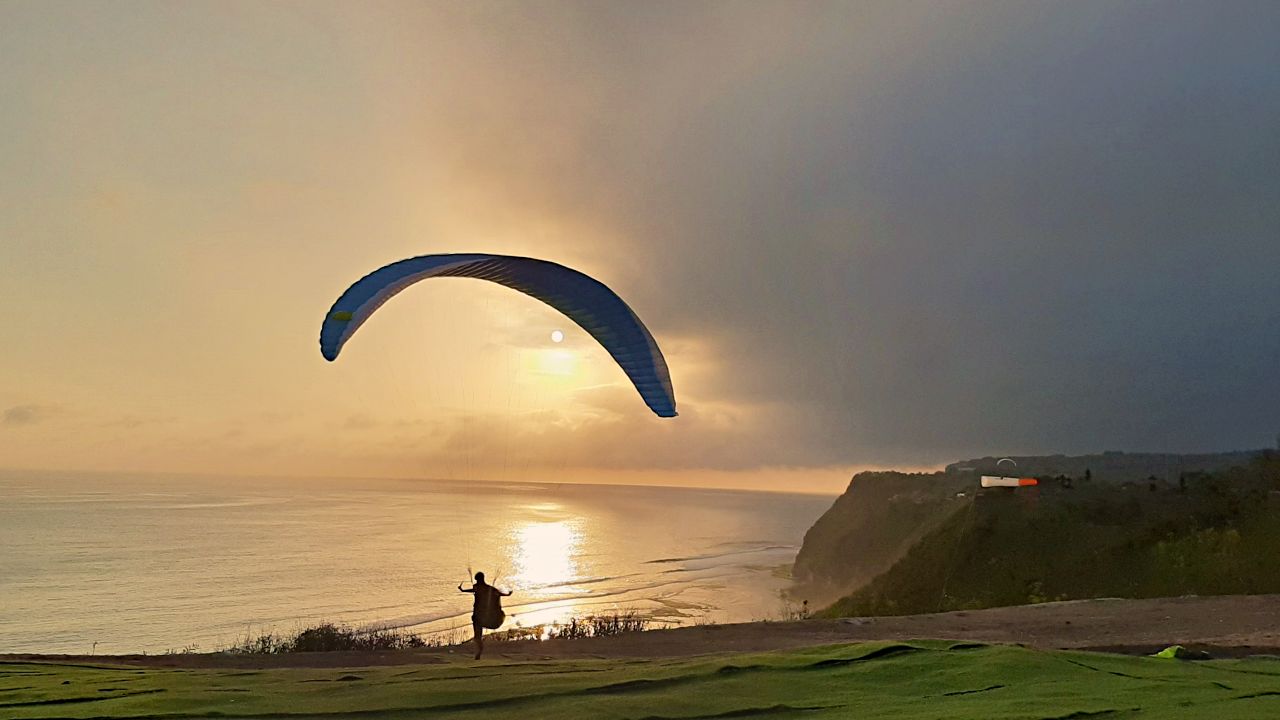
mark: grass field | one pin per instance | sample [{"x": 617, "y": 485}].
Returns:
[{"x": 920, "y": 679}]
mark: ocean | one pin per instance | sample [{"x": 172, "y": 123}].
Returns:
[{"x": 116, "y": 564}]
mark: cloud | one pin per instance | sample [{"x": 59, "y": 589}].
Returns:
[
  {"x": 20, "y": 415},
  {"x": 134, "y": 421},
  {"x": 611, "y": 434},
  {"x": 913, "y": 235},
  {"x": 863, "y": 233},
  {"x": 360, "y": 421}
]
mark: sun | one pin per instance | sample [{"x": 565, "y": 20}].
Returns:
[{"x": 557, "y": 336}]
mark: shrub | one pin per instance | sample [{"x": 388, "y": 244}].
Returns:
[
  {"x": 575, "y": 628},
  {"x": 328, "y": 637}
]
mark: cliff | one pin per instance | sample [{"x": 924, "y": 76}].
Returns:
[
  {"x": 869, "y": 527},
  {"x": 1217, "y": 533},
  {"x": 882, "y": 515},
  {"x": 1112, "y": 466}
]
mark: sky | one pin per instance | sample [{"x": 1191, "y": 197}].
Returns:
[{"x": 864, "y": 234}]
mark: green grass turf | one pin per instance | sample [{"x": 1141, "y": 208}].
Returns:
[{"x": 919, "y": 679}]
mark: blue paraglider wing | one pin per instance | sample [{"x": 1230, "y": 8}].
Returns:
[{"x": 583, "y": 299}]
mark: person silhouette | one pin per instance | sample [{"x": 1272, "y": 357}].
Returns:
[{"x": 486, "y": 611}]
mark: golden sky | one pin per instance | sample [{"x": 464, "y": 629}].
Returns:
[
  {"x": 190, "y": 187},
  {"x": 862, "y": 233}
]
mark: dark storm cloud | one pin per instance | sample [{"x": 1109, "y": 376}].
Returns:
[{"x": 941, "y": 230}]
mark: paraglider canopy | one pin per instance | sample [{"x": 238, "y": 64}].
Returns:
[{"x": 581, "y": 298}]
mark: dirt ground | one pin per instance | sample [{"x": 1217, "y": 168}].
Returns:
[{"x": 1225, "y": 626}]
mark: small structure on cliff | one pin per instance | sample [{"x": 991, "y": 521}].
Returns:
[{"x": 992, "y": 481}]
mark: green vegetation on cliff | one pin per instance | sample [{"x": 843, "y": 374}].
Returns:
[{"x": 1212, "y": 534}]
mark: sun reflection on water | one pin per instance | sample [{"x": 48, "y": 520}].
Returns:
[{"x": 546, "y": 554}]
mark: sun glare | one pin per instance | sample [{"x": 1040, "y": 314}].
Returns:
[{"x": 557, "y": 362}]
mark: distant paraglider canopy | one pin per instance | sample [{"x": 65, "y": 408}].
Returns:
[{"x": 583, "y": 299}]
